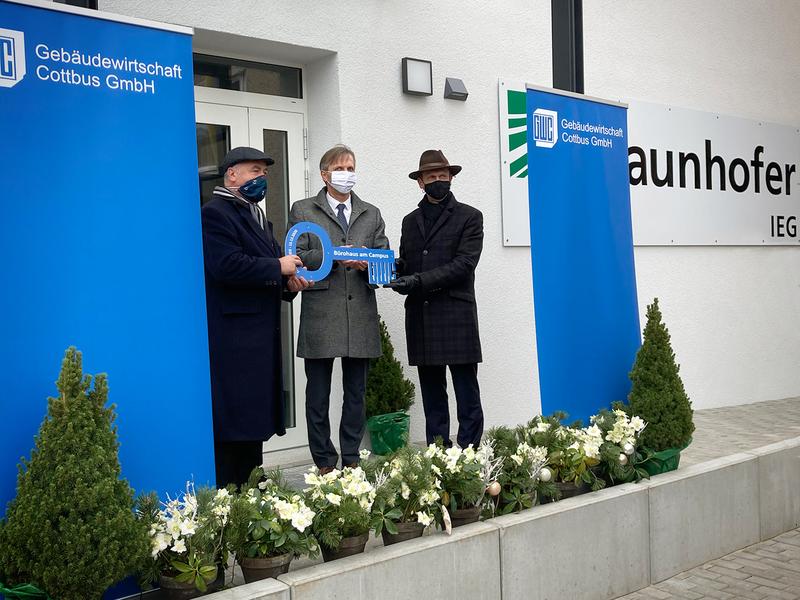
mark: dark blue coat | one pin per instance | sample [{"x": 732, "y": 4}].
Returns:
[{"x": 244, "y": 288}]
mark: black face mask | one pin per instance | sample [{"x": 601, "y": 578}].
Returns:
[{"x": 437, "y": 190}]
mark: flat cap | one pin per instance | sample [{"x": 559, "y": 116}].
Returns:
[{"x": 243, "y": 154}]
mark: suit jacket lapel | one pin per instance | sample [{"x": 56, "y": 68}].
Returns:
[
  {"x": 321, "y": 200},
  {"x": 263, "y": 235},
  {"x": 356, "y": 207}
]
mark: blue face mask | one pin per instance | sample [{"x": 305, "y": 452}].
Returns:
[{"x": 255, "y": 189}]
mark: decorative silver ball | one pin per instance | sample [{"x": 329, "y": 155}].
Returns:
[
  {"x": 623, "y": 459},
  {"x": 628, "y": 448},
  {"x": 545, "y": 474},
  {"x": 493, "y": 489}
]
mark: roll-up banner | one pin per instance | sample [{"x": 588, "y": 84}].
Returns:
[
  {"x": 584, "y": 285},
  {"x": 100, "y": 242}
]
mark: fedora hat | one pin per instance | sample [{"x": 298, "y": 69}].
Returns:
[{"x": 433, "y": 159}]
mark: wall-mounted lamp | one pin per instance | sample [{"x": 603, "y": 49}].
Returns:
[
  {"x": 417, "y": 77},
  {"x": 454, "y": 89}
]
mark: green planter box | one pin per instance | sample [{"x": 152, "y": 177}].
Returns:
[
  {"x": 664, "y": 460},
  {"x": 388, "y": 432}
]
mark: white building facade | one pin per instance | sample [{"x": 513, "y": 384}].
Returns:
[{"x": 733, "y": 312}]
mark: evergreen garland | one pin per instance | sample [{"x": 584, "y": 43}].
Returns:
[
  {"x": 388, "y": 390},
  {"x": 71, "y": 529},
  {"x": 657, "y": 394}
]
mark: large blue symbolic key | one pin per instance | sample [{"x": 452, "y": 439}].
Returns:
[{"x": 380, "y": 263}]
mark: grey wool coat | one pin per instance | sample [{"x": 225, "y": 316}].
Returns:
[{"x": 338, "y": 315}]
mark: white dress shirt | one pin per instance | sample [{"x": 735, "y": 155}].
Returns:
[{"x": 348, "y": 206}]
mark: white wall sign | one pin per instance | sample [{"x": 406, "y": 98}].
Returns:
[
  {"x": 697, "y": 178},
  {"x": 514, "y": 163},
  {"x": 700, "y": 178}
]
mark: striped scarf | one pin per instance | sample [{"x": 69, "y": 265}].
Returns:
[{"x": 255, "y": 209}]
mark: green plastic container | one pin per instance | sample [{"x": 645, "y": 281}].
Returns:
[
  {"x": 664, "y": 460},
  {"x": 388, "y": 432}
]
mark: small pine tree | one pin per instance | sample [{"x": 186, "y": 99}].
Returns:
[
  {"x": 388, "y": 390},
  {"x": 657, "y": 394},
  {"x": 71, "y": 529}
]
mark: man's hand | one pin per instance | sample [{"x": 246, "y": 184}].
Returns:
[
  {"x": 406, "y": 284},
  {"x": 358, "y": 265},
  {"x": 289, "y": 264},
  {"x": 298, "y": 284}
]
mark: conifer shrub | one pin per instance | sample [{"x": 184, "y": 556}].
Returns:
[
  {"x": 71, "y": 530},
  {"x": 657, "y": 394},
  {"x": 388, "y": 390}
]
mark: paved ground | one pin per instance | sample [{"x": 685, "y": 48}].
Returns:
[
  {"x": 723, "y": 431},
  {"x": 769, "y": 569}
]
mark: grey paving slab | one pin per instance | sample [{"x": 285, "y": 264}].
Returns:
[{"x": 767, "y": 570}]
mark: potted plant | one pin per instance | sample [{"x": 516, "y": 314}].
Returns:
[
  {"x": 342, "y": 501},
  {"x": 520, "y": 467},
  {"x": 407, "y": 496},
  {"x": 388, "y": 397},
  {"x": 463, "y": 488},
  {"x": 71, "y": 530},
  {"x": 621, "y": 455},
  {"x": 270, "y": 525},
  {"x": 186, "y": 535},
  {"x": 658, "y": 396},
  {"x": 573, "y": 455}
]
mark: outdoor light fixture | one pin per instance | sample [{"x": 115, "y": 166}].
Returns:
[
  {"x": 417, "y": 77},
  {"x": 454, "y": 89}
]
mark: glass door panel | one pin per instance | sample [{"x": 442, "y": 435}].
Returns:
[
  {"x": 219, "y": 128},
  {"x": 280, "y": 135}
]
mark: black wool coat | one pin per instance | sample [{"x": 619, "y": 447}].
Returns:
[
  {"x": 442, "y": 316},
  {"x": 244, "y": 288}
]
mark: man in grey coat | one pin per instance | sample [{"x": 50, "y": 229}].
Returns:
[{"x": 339, "y": 315}]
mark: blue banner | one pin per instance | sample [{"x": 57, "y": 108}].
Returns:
[
  {"x": 584, "y": 284},
  {"x": 100, "y": 241}
]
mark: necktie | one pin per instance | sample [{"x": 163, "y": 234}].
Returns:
[{"x": 342, "y": 219}]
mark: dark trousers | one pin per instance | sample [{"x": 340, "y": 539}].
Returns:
[
  {"x": 318, "y": 393},
  {"x": 433, "y": 384},
  {"x": 235, "y": 460}
]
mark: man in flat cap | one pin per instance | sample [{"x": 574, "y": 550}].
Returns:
[
  {"x": 246, "y": 278},
  {"x": 440, "y": 245},
  {"x": 339, "y": 315}
]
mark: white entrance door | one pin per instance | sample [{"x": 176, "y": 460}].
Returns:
[{"x": 279, "y": 133}]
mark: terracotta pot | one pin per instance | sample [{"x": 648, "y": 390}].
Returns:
[
  {"x": 349, "y": 546},
  {"x": 405, "y": 531},
  {"x": 462, "y": 516},
  {"x": 173, "y": 589},
  {"x": 254, "y": 569}
]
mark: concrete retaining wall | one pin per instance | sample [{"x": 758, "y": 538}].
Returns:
[{"x": 594, "y": 547}]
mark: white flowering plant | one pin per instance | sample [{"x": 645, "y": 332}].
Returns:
[
  {"x": 460, "y": 473},
  {"x": 342, "y": 503},
  {"x": 520, "y": 466},
  {"x": 573, "y": 452},
  {"x": 407, "y": 487},
  {"x": 621, "y": 454},
  {"x": 270, "y": 519},
  {"x": 187, "y": 534}
]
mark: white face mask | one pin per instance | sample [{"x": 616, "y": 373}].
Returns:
[{"x": 342, "y": 181}]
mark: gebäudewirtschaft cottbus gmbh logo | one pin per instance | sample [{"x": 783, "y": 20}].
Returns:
[
  {"x": 12, "y": 57},
  {"x": 545, "y": 127}
]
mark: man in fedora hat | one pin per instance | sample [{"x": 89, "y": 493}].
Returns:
[
  {"x": 246, "y": 278},
  {"x": 440, "y": 245},
  {"x": 339, "y": 315}
]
